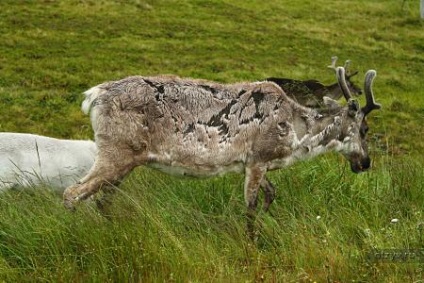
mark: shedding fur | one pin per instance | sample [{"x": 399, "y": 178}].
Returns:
[{"x": 201, "y": 128}]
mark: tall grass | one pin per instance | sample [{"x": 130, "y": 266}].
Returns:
[
  {"x": 325, "y": 220},
  {"x": 322, "y": 227}
]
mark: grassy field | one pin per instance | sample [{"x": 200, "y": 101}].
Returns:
[{"x": 326, "y": 221}]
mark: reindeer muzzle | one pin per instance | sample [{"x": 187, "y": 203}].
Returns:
[{"x": 359, "y": 165}]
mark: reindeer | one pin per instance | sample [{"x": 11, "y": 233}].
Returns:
[
  {"x": 27, "y": 160},
  {"x": 310, "y": 93},
  {"x": 199, "y": 128}
]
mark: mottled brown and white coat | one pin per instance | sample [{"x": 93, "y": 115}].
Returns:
[{"x": 201, "y": 128}]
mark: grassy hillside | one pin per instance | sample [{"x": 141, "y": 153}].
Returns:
[{"x": 166, "y": 229}]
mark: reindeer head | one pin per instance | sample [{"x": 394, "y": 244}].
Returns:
[
  {"x": 355, "y": 90},
  {"x": 353, "y": 122}
]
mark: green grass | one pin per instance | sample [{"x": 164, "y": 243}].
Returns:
[
  {"x": 189, "y": 230},
  {"x": 164, "y": 229}
]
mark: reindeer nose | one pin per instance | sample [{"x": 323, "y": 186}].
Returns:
[
  {"x": 366, "y": 163},
  {"x": 361, "y": 165}
]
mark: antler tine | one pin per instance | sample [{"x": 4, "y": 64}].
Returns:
[
  {"x": 333, "y": 63},
  {"x": 341, "y": 79},
  {"x": 371, "y": 104},
  {"x": 348, "y": 73},
  {"x": 346, "y": 66}
]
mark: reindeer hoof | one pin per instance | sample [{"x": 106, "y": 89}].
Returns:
[{"x": 70, "y": 197}]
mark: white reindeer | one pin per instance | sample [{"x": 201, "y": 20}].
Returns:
[
  {"x": 201, "y": 128},
  {"x": 28, "y": 160}
]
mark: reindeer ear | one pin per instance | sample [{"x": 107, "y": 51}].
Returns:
[
  {"x": 353, "y": 107},
  {"x": 331, "y": 103}
]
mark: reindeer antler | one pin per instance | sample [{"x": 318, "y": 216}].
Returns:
[
  {"x": 341, "y": 79},
  {"x": 346, "y": 66},
  {"x": 371, "y": 104},
  {"x": 333, "y": 63}
]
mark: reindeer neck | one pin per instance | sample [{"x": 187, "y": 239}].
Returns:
[
  {"x": 320, "y": 133},
  {"x": 315, "y": 135}
]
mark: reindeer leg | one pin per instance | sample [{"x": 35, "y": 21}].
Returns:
[
  {"x": 105, "y": 171},
  {"x": 103, "y": 203},
  {"x": 253, "y": 179},
  {"x": 269, "y": 191}
]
